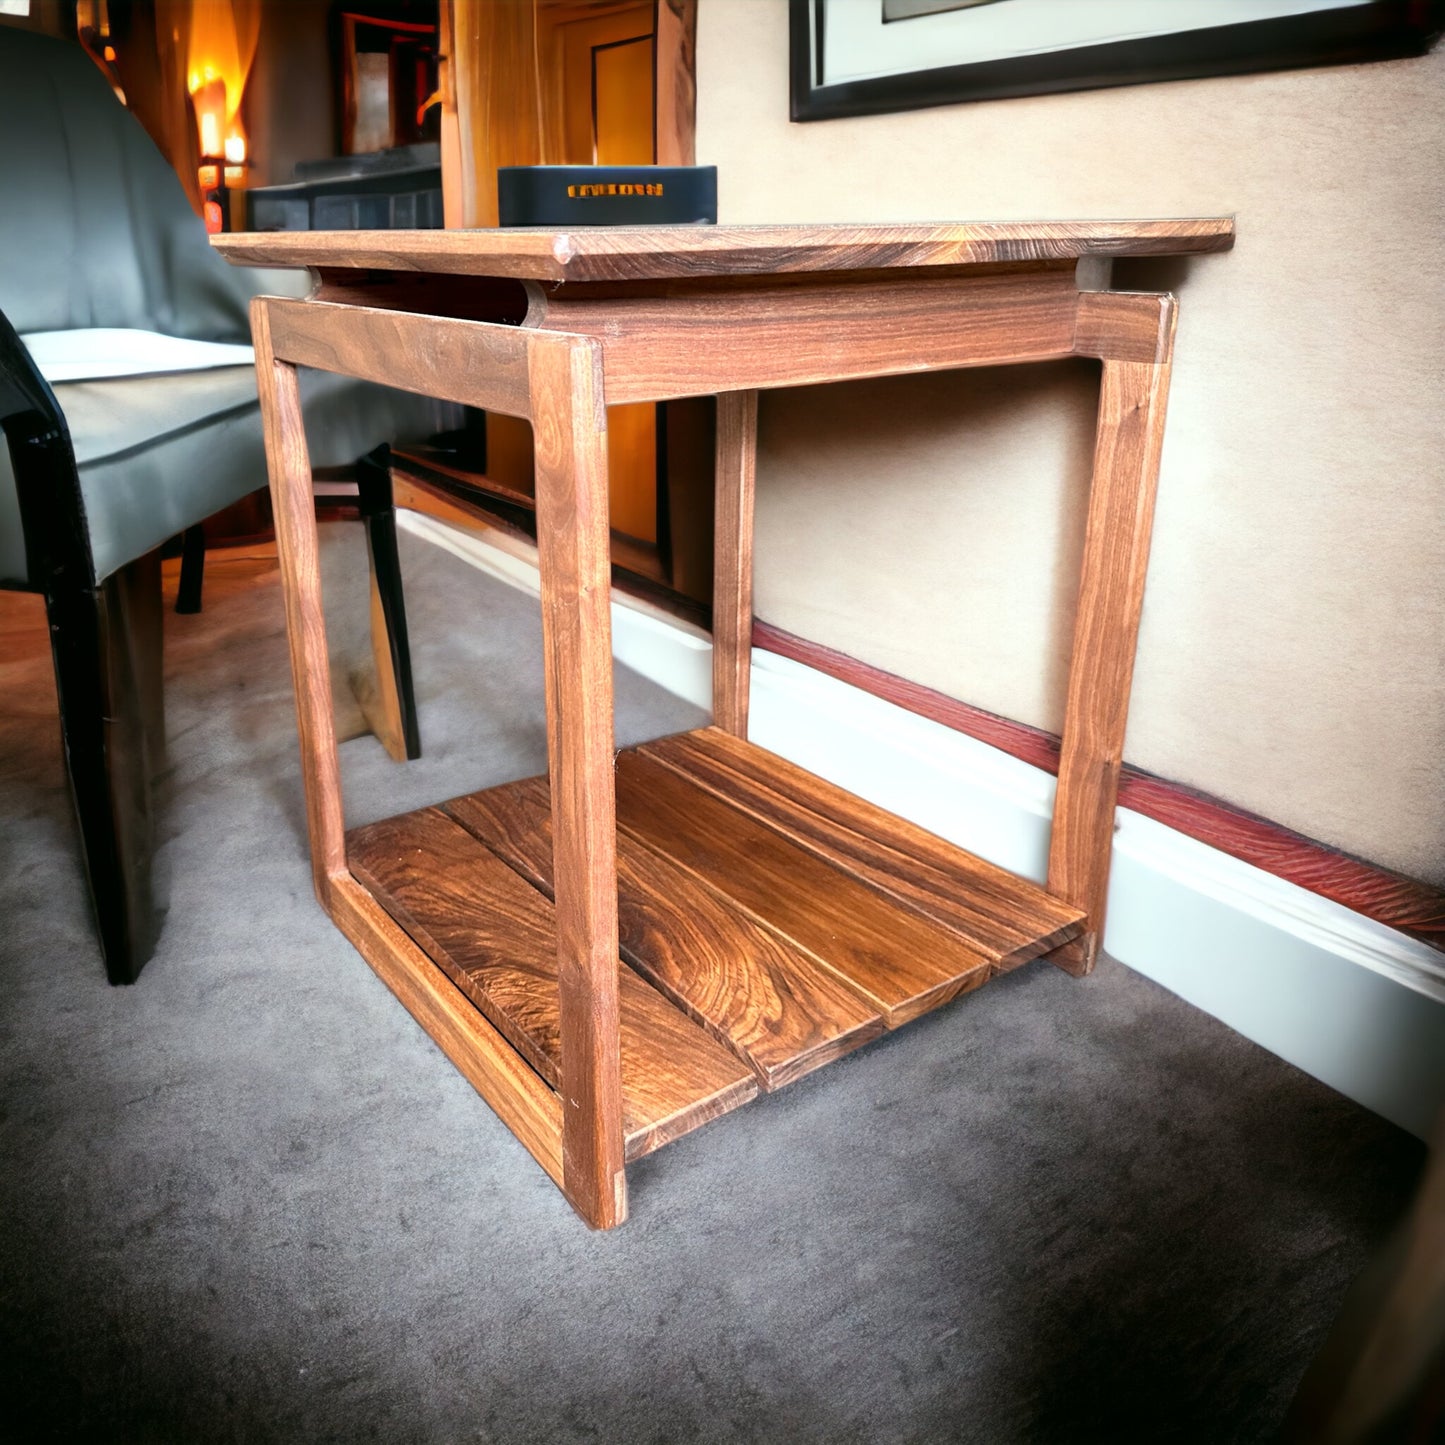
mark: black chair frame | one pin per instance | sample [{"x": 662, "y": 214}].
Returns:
[{"x": 106, "y": 642}]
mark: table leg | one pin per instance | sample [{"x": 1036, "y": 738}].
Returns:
[
  {"x": 289, "y": 466},
  {"x": 732, "y": 610},
  {"x": 570, "y": 435},
  {"x": 1132, "y": 401},
  {"x": 392, "y": 710}
]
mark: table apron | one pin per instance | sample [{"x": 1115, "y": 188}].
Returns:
[
  {"x": 656, "y": 348},
  {"x": 476, "y": 363}
]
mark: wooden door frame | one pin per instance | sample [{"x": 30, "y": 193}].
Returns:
[
  {"x": 674, "y": 31},
  {"x": 675, "y": 102}
]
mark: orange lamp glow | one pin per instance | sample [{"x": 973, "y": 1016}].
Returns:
[
  {"x": 209, "y": 99},
  {"x": 220, "y": 48}
]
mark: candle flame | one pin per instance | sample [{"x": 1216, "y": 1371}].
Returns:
[{"x": 210, "y": 133}]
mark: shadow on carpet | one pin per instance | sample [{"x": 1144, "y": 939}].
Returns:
[{"x": 248, "y": 1200}]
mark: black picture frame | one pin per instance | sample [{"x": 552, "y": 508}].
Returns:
[{"x": 1370, "y": 30}]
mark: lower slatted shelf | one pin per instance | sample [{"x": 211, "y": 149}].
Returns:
[
  {"x": 494, "y": 936},
  {"x": 779, "y": 920}
]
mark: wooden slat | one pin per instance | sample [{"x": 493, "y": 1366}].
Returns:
[
  {"x": 1132, "y": 401},
  {"x": 477, "y": 363},
  {"x": 732, "y": 608},
  {"x": 782, "y": 1011},
  {"x": 694, "y": 341},
  {"x": 901, "y": 962},
  {"x": 621, "y": 253},
  {"x": 1002, "y": 915},
  {"x": 495, "y": 937},
  {"x": 292, "y": 503},
  {"x": 570, "y": 447},
  {"x": 516, "y": 1093}
]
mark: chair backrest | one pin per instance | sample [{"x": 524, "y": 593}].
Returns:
[{"x": 95, "y": 229}]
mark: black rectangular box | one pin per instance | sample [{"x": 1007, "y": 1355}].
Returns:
[{"x": 606, "y": 195}]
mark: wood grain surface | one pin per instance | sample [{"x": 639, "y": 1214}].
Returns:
[
  {"x": 782, "y": 1011},
  {"x": 621, "y": 253},
  {"x": 989, "y": 908},
  {"x": 570, "y": 452},
  {"x": 1124, "y": 326},
  {"x": 1132, "y": 402},
  {"x": 699, "y": 340},
  {"x": 477, "y": 363},
  {"x": 732, "y": 608},
  {"x": 901, "y": 962},
  {"x": 289, "y": 466},
  {"x": 494, "y": 936},
  {"x": 516, "y": 1093}
]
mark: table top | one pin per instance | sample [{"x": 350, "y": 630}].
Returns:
[{"x": 645, "y": 253}]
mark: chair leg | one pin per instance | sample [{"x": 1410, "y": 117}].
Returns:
[
  {"x": 396, "y": 724},
  {"x": 106, "y": 643},
  {"x": 193, "y": 567}
]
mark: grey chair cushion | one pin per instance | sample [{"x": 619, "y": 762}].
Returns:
[
  {"x": 95, "y": 230},
  {"x": 157, "y": 454}
]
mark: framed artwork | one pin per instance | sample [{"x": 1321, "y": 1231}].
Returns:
[{"x": 863, "y": 57}]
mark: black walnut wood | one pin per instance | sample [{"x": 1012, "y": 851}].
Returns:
[
  {"x": 1390, "y": 898},
  {"x": 570, "y": 449},
  {"x": 289, "y": 465},
  {"x": 1001, "y": 914},
  {"x": 902, "y": 963},
  {"x": 732, "y": 609},
  {"x": 627, "y": 253},
  {"x": 617, "y": 314},
  {"x": 1124, "y": 326},
  {"x": 494, "y": 936},
  {"x": 1132, "y": 402},
  {"x": 477, "y": 363},
  {"x": 695, "y": 340},
  {"x": 516, "y": 1092},
  {"x": 780, "y": 1010}
]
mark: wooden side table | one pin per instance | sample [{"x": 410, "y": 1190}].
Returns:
[{"x": 622, "y": 950}]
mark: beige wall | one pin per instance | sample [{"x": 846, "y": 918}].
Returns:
[{"x": 1292, "y": 658}]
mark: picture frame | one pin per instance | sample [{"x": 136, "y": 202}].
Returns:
[{"x": 847, "y": 59}]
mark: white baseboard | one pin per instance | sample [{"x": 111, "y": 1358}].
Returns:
[
  {"x": 1340, "y": 996},
  {"x": 674, "y": 653}
]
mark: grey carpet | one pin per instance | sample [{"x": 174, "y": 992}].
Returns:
[{"x": 248, "y": 1200}]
